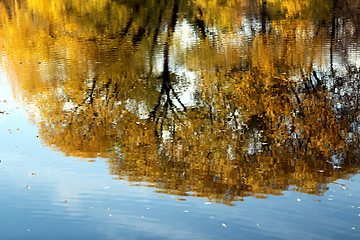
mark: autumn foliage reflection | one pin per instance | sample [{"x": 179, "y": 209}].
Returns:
[{"x": 266, "y": 115}]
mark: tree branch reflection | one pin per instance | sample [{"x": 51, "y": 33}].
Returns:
[{"x": 272, "y": 107}]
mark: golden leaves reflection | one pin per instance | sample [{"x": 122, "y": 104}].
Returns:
[{"x": 102, "y": 79}]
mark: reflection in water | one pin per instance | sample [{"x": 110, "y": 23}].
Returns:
[{"x": 201, "y": 98}]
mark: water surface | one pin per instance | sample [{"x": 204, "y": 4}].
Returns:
[{"x": 179, "y": 119}]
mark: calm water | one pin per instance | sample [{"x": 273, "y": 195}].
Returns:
[{"x": 179, "y": 119}]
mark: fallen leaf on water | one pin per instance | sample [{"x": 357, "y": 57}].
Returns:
[
  {"x": 28, "y": 187},
  {"x": 181, "y": 199},
  {"x": 65, "y": 201}
]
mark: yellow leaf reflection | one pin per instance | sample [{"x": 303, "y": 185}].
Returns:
[{"x": 263, "y": 113}]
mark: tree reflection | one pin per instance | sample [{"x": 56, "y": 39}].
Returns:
[{"x": 269, "y": 110}]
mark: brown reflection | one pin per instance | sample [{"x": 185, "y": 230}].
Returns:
[{"x": 273, "y": 100}]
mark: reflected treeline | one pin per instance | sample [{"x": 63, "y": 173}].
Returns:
[{"x": 217, "y": 99}]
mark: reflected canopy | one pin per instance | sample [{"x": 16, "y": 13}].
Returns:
[{"x": 206, "y": 98}]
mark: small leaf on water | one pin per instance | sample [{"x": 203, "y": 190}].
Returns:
[{"x": 181, "y": 199}]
